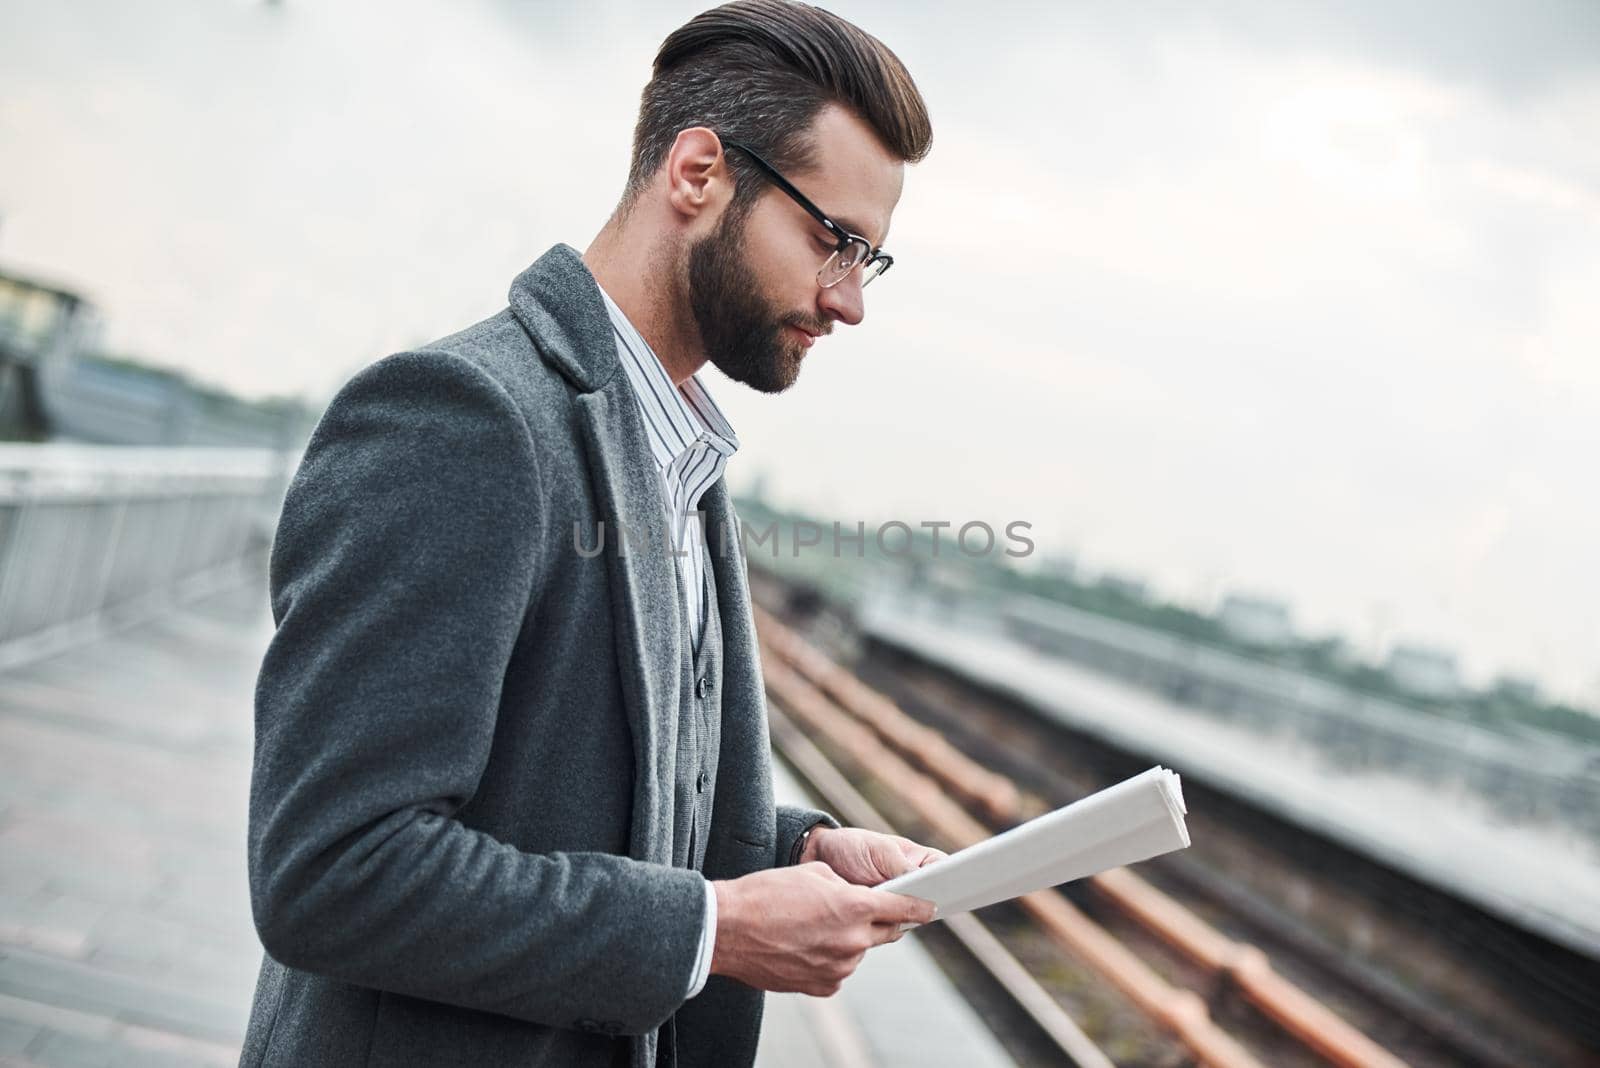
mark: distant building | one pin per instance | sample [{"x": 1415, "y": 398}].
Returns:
[
  {"x": 55, "y": 386},
  {"x": 119, "y": 402},
  {"x": 1256, "y": 620},
  {"x": 41, "y": 327},
  {"x": 1423, "y": 671}
]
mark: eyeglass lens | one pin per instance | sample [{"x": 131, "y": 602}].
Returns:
[{"x": 847, "y": 259}]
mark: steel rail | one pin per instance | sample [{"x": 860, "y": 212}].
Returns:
[
  {"x": 1181, "y": 1012},
  {"x": 1244, "y": 966},
  {"x": 994, "y": 795},
  {"x": 985, "y": 949}
]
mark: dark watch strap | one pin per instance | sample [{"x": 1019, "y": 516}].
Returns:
[{"x": 800, "y": 843}]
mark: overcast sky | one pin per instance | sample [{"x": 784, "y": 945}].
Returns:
[{"x": 1301, "y": 300}]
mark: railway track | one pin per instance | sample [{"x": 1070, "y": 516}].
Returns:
[{"x": 1226, "y": 977}]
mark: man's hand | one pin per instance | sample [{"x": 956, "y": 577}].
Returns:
[
  {"x": 803, "y": 929},
  {"x": 866, "y": 858}
]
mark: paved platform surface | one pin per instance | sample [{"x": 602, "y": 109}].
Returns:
[{"x": 125, "y": 929}]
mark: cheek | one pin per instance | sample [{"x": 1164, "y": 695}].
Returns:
[{"x": 784, "y": 262}]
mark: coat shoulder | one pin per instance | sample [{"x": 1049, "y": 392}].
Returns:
[{"x": 500, "y": 347}]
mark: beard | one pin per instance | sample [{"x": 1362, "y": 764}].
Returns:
[{"x": 742, "y": 333}]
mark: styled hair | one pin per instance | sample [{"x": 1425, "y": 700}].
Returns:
[{"x": 758, "y": 72}]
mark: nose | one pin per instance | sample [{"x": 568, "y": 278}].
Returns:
[{"x": 843, "y": 300}]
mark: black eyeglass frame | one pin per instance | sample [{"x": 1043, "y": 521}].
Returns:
[{"x": 840, "y": 234}]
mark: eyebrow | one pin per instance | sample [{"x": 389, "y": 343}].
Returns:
[{"x": 852, "y": 226}]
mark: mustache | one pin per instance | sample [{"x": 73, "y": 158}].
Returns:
[{"x": 810, "y": 324}]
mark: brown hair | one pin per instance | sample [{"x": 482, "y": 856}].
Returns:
[{"x": 758, "y": 72}]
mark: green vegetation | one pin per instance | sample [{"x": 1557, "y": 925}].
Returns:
[{"x": 1507, "y": 708}]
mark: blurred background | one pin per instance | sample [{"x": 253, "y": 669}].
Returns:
[{"x": 1274, "y": 323}]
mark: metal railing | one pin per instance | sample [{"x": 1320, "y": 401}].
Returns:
[{"x": 89, "y": 533}]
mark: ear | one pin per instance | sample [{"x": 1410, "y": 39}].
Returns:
[{"x": 697, "y": 176}]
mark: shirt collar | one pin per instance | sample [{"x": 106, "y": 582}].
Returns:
[{"x": 675, "y": 419}]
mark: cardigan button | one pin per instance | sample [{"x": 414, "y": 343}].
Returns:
[
  {"x": 700, "y": 687},
  {"x": 700, "y": 782}
]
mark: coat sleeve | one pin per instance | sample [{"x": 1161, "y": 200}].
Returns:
[
  {"x": 794, "y": 821},
  {"x": 411, "y": 548}
]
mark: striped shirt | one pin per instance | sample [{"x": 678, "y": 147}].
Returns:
[{"x": 691, "y": 441}]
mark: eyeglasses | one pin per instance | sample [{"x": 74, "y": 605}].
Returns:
[{"x": 851, "y": 250}]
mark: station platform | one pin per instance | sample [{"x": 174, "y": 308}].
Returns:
[{"x": 125, "y": 928}]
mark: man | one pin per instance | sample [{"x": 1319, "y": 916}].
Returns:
[{"x": 511, "y": 800}]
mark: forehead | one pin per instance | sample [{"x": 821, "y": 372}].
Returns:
[{"x": 856, "y": 181}]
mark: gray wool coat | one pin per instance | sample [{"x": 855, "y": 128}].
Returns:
[{"x": 462, "y": 794}]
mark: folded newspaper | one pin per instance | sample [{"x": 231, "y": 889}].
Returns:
[{"x": 1134, "y": 820}]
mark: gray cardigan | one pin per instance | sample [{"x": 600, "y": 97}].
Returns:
[{"x": 462, "y": 791}]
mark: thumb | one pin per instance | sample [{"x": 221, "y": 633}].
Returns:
[
  {"x": 889, "y": 858},
  {"x": 902, "y": 908}
]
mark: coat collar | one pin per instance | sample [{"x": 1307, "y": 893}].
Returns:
[{"x": 558, "y": 303}]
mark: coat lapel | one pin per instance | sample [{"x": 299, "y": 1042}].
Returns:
[
  {"x": 644, "y": 603},
  {"x": 559, "y": 304},
  {"x": 728, "y": 571},
  {"x": 744, "y": 702}
]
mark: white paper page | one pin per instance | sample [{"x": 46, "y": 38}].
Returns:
[{"x": 1134, "y": 820}]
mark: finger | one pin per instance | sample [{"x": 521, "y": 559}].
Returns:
[{"x": 930, "y": 856}]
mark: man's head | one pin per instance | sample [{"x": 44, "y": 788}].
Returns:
[{"x": 822, "y": 102}]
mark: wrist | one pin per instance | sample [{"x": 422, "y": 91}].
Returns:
[
  {"x": 808, "y": 843},
  {"x": 727, "y": 919}
]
